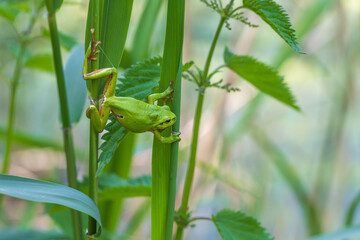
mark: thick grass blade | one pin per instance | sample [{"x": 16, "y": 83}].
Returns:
[
  {"x": 162, "y": 168},
  {"x": 47, "y": 192}
]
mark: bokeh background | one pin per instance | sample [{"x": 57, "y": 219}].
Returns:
[{"x": 250, "y": 145}]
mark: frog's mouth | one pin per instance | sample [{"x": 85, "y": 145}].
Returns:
[
  {"x": 117, "y": 115},
  {"x": 166, "y": 122}
]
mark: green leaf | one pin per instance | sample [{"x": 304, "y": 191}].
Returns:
[
  {"x": 111, "y": 187},
  {"x": 30, "y": 234},
  {"x": 61, "y": 215},
  {"x": 263, "y": 77},
  {"x": 47, "y": 192},
  {"x": 42, "y": 62},
  {"x": 10, "y": 9},
  {"x": 346, "y": 233},
  {"x": 274, "y": 15},
  {"x": 75, "y": 84},
  {"x": 234, "y": 225},
  {"x": 137, "y": 82}
]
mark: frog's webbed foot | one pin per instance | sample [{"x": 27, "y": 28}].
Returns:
[{"x": 174, "y": 137}]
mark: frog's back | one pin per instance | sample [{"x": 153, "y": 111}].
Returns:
[{"x": 135, "y": 115}]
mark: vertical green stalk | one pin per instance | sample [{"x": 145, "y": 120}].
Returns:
[
  {"x": 13, "y": 90},
  {"x": 192, "y": 161},
  {"x": 162, "y": 156},
  {"x": 67, "y": 133},
  {"x": 93, "y": 143}
]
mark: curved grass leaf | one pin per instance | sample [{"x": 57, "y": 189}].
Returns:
[
  {"x": 263, "y": 77},
  {"x": 137, "y": 82},
  {"x": 30, "y": 234},
  {"x": 234, "y": 225},
  {"x": 274, "y": 15},
  {"x": 346, "y": 233},
  {"x": 10, "y": 9},
  {"x": 75, "y": 84},
  {"x": 47, "y": 192},
  {"x": 111, "y": 187}
]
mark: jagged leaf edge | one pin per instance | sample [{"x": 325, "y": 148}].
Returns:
[
  {"x": 276, "y": 17},
  {"x": 243, "y": 219},
  {"x": 111, "y": 183},
  {"x": 291, "y": 101}
]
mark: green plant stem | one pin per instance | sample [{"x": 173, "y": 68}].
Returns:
[
  {"x": 93, "y": 143},
  {"x": 10, "y": 127},
  {"x": 67, "y": 133},
  {"x": 192, "y": 161},
  {"x": 13, "y": 90}
]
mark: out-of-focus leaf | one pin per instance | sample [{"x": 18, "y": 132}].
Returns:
[
  {"x": 261, "y": 76},
  {"x": 234, "y": 225},
  {"x": 30, "y": 234},
  {"x": 61, "y": 216},
  {"x": 47, "y": 192},
  {"x": 112, "y": 187},
  {"x": 10, "y": 9},
  {"x": 7, "y": 14},
  {"x": 14, "y": 48},
  {"x": 42, "y": 62},
  {"x": 346, "y": 233},
  {"x": 75, "y": 84},
  {"x": 274, "y": 15},
  {"x": 137, "y": 82},
  {"x": 67, "y": 41}
]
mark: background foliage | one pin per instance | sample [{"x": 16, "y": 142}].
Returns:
[{"x": 242, "y": 135}]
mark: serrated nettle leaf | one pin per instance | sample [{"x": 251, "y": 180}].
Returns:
[
  {"x": 236, "y": 225},
  {"x": 42, "y": 62},
  {"x": 47, "y": 192},
  {"x": 75, "y": 85},
  {"x": 111, "y": 187},
  {"x": 138, "y": 82},
  {"x": 263, "y": 77},
  {"x": 275, "y": 16}
]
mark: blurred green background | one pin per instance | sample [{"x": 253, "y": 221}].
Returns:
[{"x": 245, "y": 139}]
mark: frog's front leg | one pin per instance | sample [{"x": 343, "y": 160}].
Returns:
[
  {"x": 170, "y": 139},
  {"x": 164, "y": 95}
]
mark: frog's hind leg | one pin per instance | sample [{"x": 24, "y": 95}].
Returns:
[{"x": 161, "y": 96}]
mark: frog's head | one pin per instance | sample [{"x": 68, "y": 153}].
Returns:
[{"x": 165, "y": 120}]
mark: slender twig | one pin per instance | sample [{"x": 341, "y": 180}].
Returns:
[
  {"x": 13, "y": 90},
  {"x": 192, "y": 161}
]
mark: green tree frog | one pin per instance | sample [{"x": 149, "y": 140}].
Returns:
[{"x": 136, "y": 116}]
